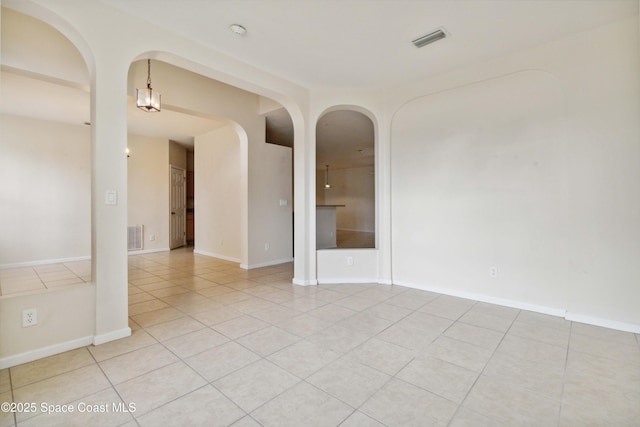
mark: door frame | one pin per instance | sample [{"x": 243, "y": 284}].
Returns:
[{"x": 172, "y": 244}]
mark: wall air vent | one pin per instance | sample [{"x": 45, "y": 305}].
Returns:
[{"x": 438, "y": 34}]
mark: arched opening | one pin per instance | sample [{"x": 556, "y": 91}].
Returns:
[
  {"x": 46, "y": 157},
  {"x": 345, "y": 180}
]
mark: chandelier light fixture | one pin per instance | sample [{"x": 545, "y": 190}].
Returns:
[
  {"x": 327, "y": 186},
  {"x": 147, "y": 99}
]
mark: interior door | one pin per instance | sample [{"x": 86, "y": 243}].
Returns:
[{"x": 178, "y": 206}]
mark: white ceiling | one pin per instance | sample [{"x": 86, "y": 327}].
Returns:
[
  {"x": 367, "y": 43},
  {"x": 316, "y": 43}
]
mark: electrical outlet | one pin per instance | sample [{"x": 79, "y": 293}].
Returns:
[
  {"x": 152, "y": 237},
  {"x": 221, "y": 242},
  {"x": 349, "y": 260},
  {"x": 266, "y": 246},
  {"x": 493, "y": 272},
  {"x": 29, "y": 317}
]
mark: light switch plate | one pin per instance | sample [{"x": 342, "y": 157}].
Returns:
[{"x": 111, "y": 197}]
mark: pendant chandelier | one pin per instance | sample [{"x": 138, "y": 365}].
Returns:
[
  {"x": 147, "y": 99},
  {"x": 327, "y": 186}
]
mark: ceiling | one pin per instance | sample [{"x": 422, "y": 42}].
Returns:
[
  {"x": 315, "y": 43},
  {"x": 367, "y": 43}
]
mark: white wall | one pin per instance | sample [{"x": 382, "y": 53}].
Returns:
[
  {"x": 45, "y": 192},
  {"x": 218, "y": 193},
  {"x": 536, "y": 173},
  {"x": 148, "y": 189}
]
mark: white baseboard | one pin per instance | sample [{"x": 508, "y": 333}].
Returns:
[
  {"x": 148, "y": 251},
  {"x": 304, "y": 282},
  {"x": 30, "y": 356},
  {"x": 385, "y": 281},
  {"x": 43, "y": 262},
  {"x": 112, "y": 336},
  {"x": 266, "y": 264},
  {"x": 346, "y": 281},
  {"x": 215, "y": 255},
  {"x": 605, "y": 323},
  {"x": 484, "y": 298}
]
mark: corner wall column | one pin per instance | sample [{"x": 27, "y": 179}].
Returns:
[{"x": 109, "y": 198}]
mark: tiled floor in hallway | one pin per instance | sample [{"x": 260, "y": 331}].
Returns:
[{"x": 216, "y": 345}]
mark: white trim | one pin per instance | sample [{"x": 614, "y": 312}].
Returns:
[
  {"x": 112, "y": 336},
  {"x": 484, "y": 298},
  {"x": 44, "y": 262},
  {"x": 215, "y": 255},
  {"x": 31, "y": 355},
  {"x": 605, "y": 323},
  {"x": 385, "y": 281},
  {"x": 304, "y": 282},
  {"x": 266, "y": 264},
  {"x": 346, "y": 281},
  {"x": 148, "y": 251}
]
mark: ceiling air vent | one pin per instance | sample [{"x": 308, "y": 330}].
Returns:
[{"x": 438, "y": 34}]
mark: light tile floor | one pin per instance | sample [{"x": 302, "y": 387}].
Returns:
[
  {"x": 216, "y": 345},
  {"x": 39, "y": 278}
]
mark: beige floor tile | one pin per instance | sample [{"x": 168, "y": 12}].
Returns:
[
  {"x": 60, "y": 283},
  {"x": 538, "y": 376},
  {"x": 63, "y": 388},
  {"x": 104, "y": 408},
  {"x": 276, "y": 314},
  {"x": 300, "y": 404},
  {"x": 159, "y": 387},
  {"x": 553, "y": 356},
  {"x": 349, "y": 381},
  {"x": 388, "y": 311},
  {"x": 9, "y": 288},
  {"x": 550, "y": 335},
  {"x": 240, "y": 326},
  {"x": 145, "y": 307},
  {"x": 339, "y": 338},
  {"x": 138, "y": 339},
  {"x": 216, "y": 315},
  {"x": 381, "y": 355},
  {"x": 303, "y": 304},
  {"x": 304, "y": 325},
  {"x": 255, "y": 384},
  {"x": 215, "y": 291},
  {"x": 5, "y": 381},
  {"x": 507, "y": 402},
  {"x": 6, "y": 417},
  {"x": 174, "y": 328},
  {"x": 358, "y": 419},
  {"x": 51, "y": 366},
  {"x": 459, "y": 353},
  {"x": 195, "y": 342},
  {"x": 221, "y": 360},
  {"x": 468, "y": 418},
  {"x": 188, "y": 299},
  {"x": 268, "y": 340},
  {"x": 167, "y": 292},
  {"x": 475, "y": 335},
  {"x": 401, "y": 404},
  {"x": 597, "y": 415},
  {"x": 252, "y": 305},
  {"x": 408, "y": 337},
  {"x": 406, "y": 301},
  {"x": 428, "y": 323},
  {"x": 130, "y": 365},
  {"x": 619, "y": 337},
  {"x": 151, "y": 318},
  {"x": 365, "y": 323},
  {"x": 332, "y": 313},
  {"x": 140, "y": 297},
  {"x": 439, "y": 377},
  {"x": 356, "y": 302},
  {"x": 303, "y": 358},
  {"x": 622, "y": 350},
  {"x": 488, "y": 321},
  {"x": 448, "y": 307},
  {"x": 205, "y": 407}
]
